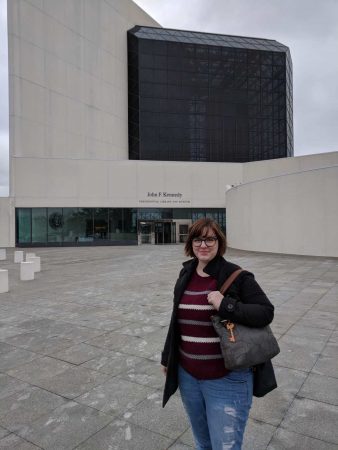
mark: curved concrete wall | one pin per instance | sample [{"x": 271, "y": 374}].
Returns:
[{"x": 294, "y": 213}]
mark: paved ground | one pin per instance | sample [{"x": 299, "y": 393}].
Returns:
[{"x": 79, "y": 351}]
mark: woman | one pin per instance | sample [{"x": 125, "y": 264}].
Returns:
[{"x": 217, "y": 400}]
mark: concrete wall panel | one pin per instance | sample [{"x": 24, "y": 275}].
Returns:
[
  {"x": 294, "y": 213},
  {"x": 66, "y": 182},
  {"x": 7, "y": 222},
  {"x": 68, "y": 79}
]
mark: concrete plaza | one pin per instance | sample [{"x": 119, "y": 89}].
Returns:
[{"x": 80, "y": 345}]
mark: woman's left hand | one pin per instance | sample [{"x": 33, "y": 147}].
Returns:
[{"x": 215, "y": 299}]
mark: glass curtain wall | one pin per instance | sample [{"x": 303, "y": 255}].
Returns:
[
  {"x": 200, "y": 97},
  {"x": 100, "y": 224},
  {"x": 78, "y": 225},
  {"x": 96, "y": 226},
  {"x": 75, "y": 226},
  {"x": 122, "y": 224},
  {"x": 24, "y": 225},
  {"x": 39, "y": 225},
  {"x": 54, "y": 225}
]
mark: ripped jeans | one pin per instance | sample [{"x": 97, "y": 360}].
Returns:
[{"x": 218, "y": 409}]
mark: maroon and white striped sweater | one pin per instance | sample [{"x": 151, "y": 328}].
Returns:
[{"x": 200, "y": 352}]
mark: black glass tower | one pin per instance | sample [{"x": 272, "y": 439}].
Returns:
[{"x": 207, "y": 97}]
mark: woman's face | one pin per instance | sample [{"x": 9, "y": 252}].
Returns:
[{"x": 205, "y": 251}]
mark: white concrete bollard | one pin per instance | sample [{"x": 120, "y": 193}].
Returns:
[
  {"x": 18, "y": 256},
  {"x": 26, "y": 270},
  {"x": 30, "y": 255},
  {"x": 37, "y": 262},
  {"x": 3, "y": 281},
  {"x": 3, "y": 254}
]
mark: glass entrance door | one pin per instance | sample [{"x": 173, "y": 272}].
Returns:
[
  {"x": 165, "y": 232},
  {"x": 157, "y": 232}
]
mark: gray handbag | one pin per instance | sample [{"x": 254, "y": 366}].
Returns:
[{"x": 243, "y": 346}]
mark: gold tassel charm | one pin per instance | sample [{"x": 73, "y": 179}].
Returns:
[{"x": 230, "y": 327}]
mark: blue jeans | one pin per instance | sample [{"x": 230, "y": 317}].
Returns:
[{"x": 218, "y": 409}]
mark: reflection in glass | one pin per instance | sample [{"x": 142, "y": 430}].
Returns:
[
  {"x": 116, "y": 227},
  {"x": 130, "y": 222},
  {"x": 55, "y": 225},
  {"x": 100, "y": 224},
  {"x": 24, "y": 229},
  {"x": 39, "y": 225},
  {"x": 217, "y": 78},
  {"x": 78, "y": 225},
  {"x": 108, "y": 226}
]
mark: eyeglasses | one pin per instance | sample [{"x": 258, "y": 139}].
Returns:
[{"x": 209, "y": 241}]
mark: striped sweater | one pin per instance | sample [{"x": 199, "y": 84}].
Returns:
[{"x": 200, "y": 352}]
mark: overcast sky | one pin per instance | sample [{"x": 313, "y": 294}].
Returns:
[{"x": 308, "y": 27}]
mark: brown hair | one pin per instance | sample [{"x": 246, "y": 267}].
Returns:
[{"x": 200, "y": 228}]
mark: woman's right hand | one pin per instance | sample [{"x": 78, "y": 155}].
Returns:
[{"x": 164, "y": 370}]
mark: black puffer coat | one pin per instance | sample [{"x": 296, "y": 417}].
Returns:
[{"x": 244, "y": 303}]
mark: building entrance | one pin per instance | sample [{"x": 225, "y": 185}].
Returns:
[
  {"x": 165, "y": 232},
  {"x": 157, "y": 232}
]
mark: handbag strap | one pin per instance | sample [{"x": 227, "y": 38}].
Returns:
[{"x": 228, "y": 282}]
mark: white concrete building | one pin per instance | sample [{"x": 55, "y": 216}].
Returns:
[{"x": 69, "y": 164}]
